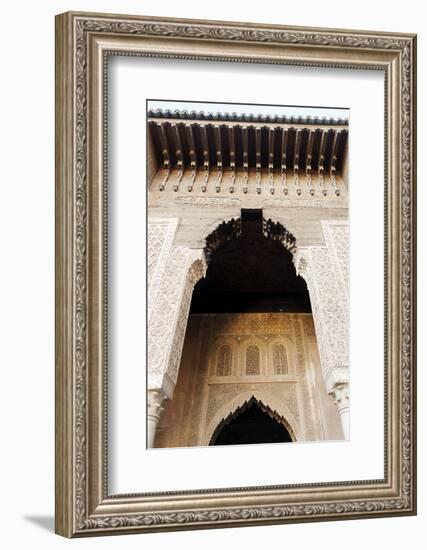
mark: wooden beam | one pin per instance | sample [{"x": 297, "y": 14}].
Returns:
[
  {"x": 283, "y": 159},
  {"x": 219, "y": 164},
  {"x": 191, "y": 145},
  {"x": 258, "y": 159},
  {"x": 232, "y": 146},
  {"x": 335, "y": 145},
  {"x": 192, "y": 153},
  {"x": 332, "y": 168},
  {"x": 205, "y": 147},
  {"x": 298, "y": 135},
  {"x": 245, "y": 159},
  {"x": 271, "y": 139},
  {"x": 322, "y": 146},
  {"x": 320, "y": 166},
  {"x": 308, "y": 160},
  {"x": 165, "y": 155},
  {"x": 179, "y": 156}
]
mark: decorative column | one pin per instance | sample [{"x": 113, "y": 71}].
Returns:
[
  {"x": 155, "y": 405},
  {"x": 340, "y": 397},
  {"x": 337, "y": 386},
  {"x": 325, "y": 269}
]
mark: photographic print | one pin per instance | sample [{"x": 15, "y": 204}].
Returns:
[
  {"x": 248, "y": 275},
  {"x": 235, "y": 274}
]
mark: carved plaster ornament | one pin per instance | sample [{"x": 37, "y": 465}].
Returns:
[{"x": 156, "y": 403}]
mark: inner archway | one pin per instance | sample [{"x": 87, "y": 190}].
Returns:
[
  {"x": 250, "y": 269},
  {"x": 251, "y": 423},
  {"x": 249, "y": 329}
]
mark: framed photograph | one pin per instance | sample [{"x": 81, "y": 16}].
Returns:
[{"x": 235, "y": 274}]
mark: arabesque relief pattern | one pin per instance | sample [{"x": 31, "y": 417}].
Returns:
[
  {"x": 156, "y": 240},
  {"x": 177, "y": 268},
  {"x": 337, "y": 241},
  {"x": 223, "y": 400},
  {"x": 325, "y": 270},
  {"x": 203, "y": 397},
  {"x": 168, "y": 313},
  {"x": 161, "y": 232}
]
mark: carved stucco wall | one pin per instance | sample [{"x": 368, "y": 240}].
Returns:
[
  {"x": 176, "y": 262},
  {"x": 172, "y": 273},
  {"x": 326, "y": 271},
  {"x": 202, "y": 398}
]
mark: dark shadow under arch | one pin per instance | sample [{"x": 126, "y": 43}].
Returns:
[
  {"x": 250, "y": 269},
  {"x": 252, "y": 422}
]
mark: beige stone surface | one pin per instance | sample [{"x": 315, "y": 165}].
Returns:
[{"x": 205, "y": 393}]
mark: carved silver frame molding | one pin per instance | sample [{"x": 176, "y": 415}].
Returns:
[{"x": 83, "y": 43}]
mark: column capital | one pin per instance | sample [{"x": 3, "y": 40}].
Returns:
[
  {"x": 340, "y": 395},
  {"x": 155, "y": 403},
  {"x": 335, "y": 376}
]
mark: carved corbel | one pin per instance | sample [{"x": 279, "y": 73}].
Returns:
[
  {"x": 335, "y": 144},
  {"x": 271, "y": 134},
  {"x": 165, "y": 177},
  {"x": 296, "y": 161},
  {"x": 219, "y": 164},
  {"x": 245, "y": 159},
  {"x": 193, "y": 158},
  {"x": 308, "y": 163},
  {"x": 205, "y": 157},
  {"x": 179, "y": 157},
  {"x": 232, "y": 158},
  {"x": 283, "y": 160},
  {"x": 165, "y": 154},
  {"x": 258, "y": 159},
  {"x": 321, "y": 162},
  {"x": 205, "y": 178}
]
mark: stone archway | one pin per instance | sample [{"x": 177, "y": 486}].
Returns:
[
  {"x": 175, "y": 275},
  {"x": 231, "y": 246},
  {"x": 239, "y": 407},
  {"x": 251, "y": 423},
  {"x": 324, "y": 268}
]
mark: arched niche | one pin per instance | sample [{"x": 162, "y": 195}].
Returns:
[
  {"x": 291, "y": 355},
  {"x": 252, "y": 422},
  {"x": 217, "y": 356},
  {"x": 278, "y": 408}
]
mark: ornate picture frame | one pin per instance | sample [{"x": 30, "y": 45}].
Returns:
[{"x": 84, "y": 42}]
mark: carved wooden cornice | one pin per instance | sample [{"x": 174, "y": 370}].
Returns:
[{"x": 220, "y": 155}]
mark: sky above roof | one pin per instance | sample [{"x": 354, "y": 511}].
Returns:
[{"x": 238, "y": 108}]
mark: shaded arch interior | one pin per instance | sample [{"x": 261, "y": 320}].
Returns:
[
  {"x": 251, "y": 423},
  {"x": 250, "y": 269}
]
